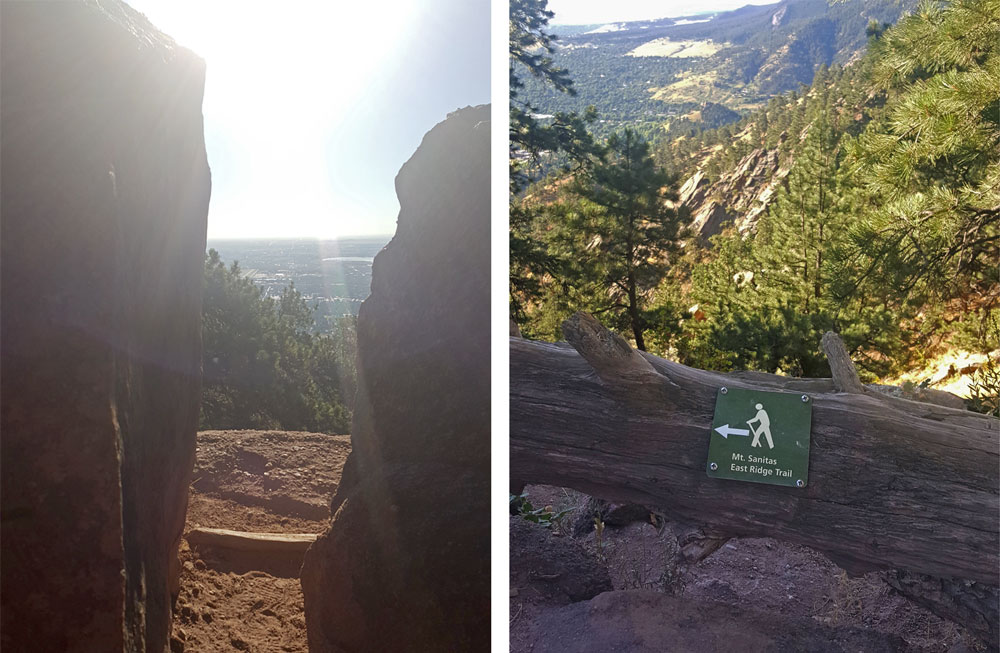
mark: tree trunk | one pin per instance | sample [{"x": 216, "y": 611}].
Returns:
[
  {"x": 633, "y": 313},
  {"x": 893, "y": 484}
]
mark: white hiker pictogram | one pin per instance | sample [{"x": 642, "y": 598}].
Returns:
[{"x": 764, "y": 427}]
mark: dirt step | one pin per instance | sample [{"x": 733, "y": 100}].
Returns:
[{"x": 282, "y": 544}]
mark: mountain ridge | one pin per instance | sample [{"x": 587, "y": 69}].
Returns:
[{"x": 754, "y": 53}]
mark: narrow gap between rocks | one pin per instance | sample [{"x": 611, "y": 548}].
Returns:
[{"x": 277, "y": 482}]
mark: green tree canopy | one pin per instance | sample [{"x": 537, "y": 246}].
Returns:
[
  {"x": 886, "y": 226},
  {"x": 626, "y": 233},
  {"x": 263, "y": 366},
  {"x": 563, "y": 137},
  {"x": 931, "y": 162}
]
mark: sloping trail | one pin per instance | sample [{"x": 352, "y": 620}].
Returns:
[{"x": 274, "y": 482}]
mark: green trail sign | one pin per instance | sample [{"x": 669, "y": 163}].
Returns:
[{"x": 762, "y": 437}]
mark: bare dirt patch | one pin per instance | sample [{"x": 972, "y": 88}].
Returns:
[
  {"x": 690, "y": 85},
  {"x": 756, "y": 575},
  {"x": 678, "y": 49},
  {"x": 256, "y": 481}
]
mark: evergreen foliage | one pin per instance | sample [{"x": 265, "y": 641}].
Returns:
[
  {"x": 783, "y": 276},
  {"x": 886, "y": 226},
  {"x": 984, "y": 389},
  {"x": 263, "y": 365},
  {"x": 632, "y": 233},
  {"x": 564, "y": 138},
  {"x": 531, "y": 139},
  {"x": 931, "y": 161}
]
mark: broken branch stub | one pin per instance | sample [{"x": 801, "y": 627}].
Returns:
[
  {"x": 608, "y": 353},
  {"x": 845, "y": 375}
]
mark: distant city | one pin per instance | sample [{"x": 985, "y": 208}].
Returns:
[{"x": 332, "y": 275}]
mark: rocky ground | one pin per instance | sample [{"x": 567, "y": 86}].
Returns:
[
  {"x": 257, "y": 481},
  {"x": 751, "y": 594}
]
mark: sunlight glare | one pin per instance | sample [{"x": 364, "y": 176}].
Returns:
[{"x": 282, "y": 81}]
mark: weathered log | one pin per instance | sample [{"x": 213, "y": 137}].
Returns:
[
  {"x": 893, "y": 483},
  {"x": 274, "y": 544}
]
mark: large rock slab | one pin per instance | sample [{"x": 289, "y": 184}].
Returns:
[
  {"x": 405, "y": 563},
  {"x": 105, "y": 192}
]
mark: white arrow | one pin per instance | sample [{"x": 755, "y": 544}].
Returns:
[{"x": 725, "y": 431}]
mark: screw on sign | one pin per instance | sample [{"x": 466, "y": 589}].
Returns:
[{"x": 761, "y": 437}]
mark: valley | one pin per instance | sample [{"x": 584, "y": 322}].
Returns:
[
  {"x": 646, "y": 72},
  {"x": 333, "y": 275}
]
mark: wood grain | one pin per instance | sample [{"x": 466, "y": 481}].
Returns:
[{"x": 894, "y": 484}]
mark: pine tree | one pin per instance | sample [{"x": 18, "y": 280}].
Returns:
[
  {"x": 767, "y": 300},
  {"x": 264, "y": 367},
  {"x": 634, "y": 233},
  {"x": 566, "y": 136},
  {"x": 795, "y": 236},
  {"x": 931, "y": 162}
]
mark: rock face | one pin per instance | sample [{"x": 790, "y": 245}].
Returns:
[
  {"x": 405, "y": 564},
  {"x": 105, "y": 192},
  {"x": 740, "y": 195},
  {"x": 708, "y": 220}
]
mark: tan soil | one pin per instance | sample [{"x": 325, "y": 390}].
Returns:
[{"x": 259, "y": 481}]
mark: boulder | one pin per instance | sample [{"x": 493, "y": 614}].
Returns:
[
  {"x": 105, "y": 193},
  {"x": 692, "y": 191},
  {"x": 405, "y": 564}
]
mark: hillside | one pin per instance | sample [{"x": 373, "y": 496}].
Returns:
[
  {"x": 732, "y": 174},
  {"x": 666, "y": 71},
  {"x": 866, "y": 203},
  {"x": 790, "y": 203}
]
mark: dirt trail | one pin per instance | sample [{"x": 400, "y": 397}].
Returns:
[{"x": 259, "y": 481}]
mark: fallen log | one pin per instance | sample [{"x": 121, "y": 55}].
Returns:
[
  {"x": 274, "y": 544},
  {"x": 893, "y": 483}
]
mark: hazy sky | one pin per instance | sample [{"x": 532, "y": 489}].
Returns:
[
  {"x": 311, "y": 107},
  {"x": 585, "y": 12}
]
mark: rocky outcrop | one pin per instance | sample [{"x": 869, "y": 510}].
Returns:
[
  {"x": 779, "y": 16},
  {"x": 739, "y": 196},
  {"x": 708, "y": 220},
  {"x": 405, "y": 563},
  {"x": 105, "y": 192}
]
